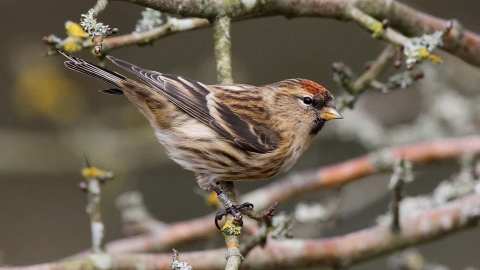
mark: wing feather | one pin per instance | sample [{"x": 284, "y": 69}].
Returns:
[{"x": 201, "y": 103}]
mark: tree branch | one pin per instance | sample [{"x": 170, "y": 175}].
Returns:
[
  {"x": 376, "y": 27},
  {"x": 233, "y": 226},
  {"x": 232, "y": 230},
  {"x": 94, "y": 177},
  {"x": 223, "y": 58},
  {"x": 300, "y": 184},
  {"x": 172, "y": 26},
  {"x": 338, "y": 251},
  {"x": 359, "y": 85},
  {"x": 402, "y": 173},
  {"x": 377, "y": 67},
  {"x": 354, "y": 169},
  {"x": 462, "y": 43}
]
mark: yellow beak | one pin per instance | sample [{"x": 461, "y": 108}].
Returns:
[{"x": 329, "y": 113}]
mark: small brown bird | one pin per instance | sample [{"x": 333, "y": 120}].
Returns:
[{"x": 223, "y": 132}]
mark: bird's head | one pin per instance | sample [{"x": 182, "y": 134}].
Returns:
[{"x": 308, "y": 104}]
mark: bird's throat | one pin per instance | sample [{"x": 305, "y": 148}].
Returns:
[{"x": 316, "y": 126}]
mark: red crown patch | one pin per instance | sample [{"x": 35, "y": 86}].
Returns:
[{"x": 313, "y": 87}]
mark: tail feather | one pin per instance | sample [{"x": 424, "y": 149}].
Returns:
[
  {"x": 95, "y": 71},
  {"x": 123, "y": 64},
  {"x": 112, "y": 91},
  {"x": 137, "y": 71}
]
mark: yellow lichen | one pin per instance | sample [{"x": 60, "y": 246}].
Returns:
[
  {"x": 76, "y": 36},
  {"x": 75, "y": 30},
  {"x": 231, "y": 229},
  {"x": 91, "y": 172},
  {"x": 377, "y": 30},
  {"x": 96, "y": 173},
  {"x": 435, "y": 59},
  {"x": 72, "y": 45},
  {"x": 425, "y": 54}
]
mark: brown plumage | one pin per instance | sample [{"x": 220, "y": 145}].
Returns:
[{"x": 223, "y": 132}]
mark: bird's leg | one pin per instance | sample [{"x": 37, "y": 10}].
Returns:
[{"x": 230, "y": 207}]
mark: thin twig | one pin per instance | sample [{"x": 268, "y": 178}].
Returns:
[
  {"x": 94, "y": 178},
  {"x": 382, "y": 62},
  {"x": 367, "y": 80},
  {"x": 395, "y": 206},
  {"x": 231, "y": 231},
  {"x": 100, "y": 6},
  {"x": 223, "y": 58},
  {"x": 265, "y": 216},
  {"x": 278, "y": 227},
  {"x": 402, "y": 173},
  {"x": 377, "y": 27},
  {"x": 171, "y": 27}
]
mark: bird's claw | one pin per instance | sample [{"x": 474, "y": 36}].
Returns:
[{"x": 235, "y": 211}]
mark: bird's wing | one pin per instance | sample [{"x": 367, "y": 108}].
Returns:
[
  {"x": 244, "y": 116},
  {"x": 198, "y": 101}
]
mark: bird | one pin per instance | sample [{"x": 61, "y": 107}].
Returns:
[{"x": 223, "y": 132}]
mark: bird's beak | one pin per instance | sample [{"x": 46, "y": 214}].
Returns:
[{"x": 329, "y": 113}]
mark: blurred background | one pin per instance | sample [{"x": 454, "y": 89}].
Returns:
[{"x": 51, "y": 116}]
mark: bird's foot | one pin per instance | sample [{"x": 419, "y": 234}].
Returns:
[{"x": 234, "y": 209}]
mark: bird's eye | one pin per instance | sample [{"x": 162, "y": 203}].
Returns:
[{"x": 307, "y": 100}]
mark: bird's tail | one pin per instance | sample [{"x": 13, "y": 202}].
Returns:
[{"x": 96, "y": 72}]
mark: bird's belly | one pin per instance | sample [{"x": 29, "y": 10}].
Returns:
[
  {"x": 198, "y": 148},
  {"x": 222, "y": 161}
]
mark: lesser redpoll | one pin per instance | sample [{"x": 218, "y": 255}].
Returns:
[{"x": 223, "y": 132}]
